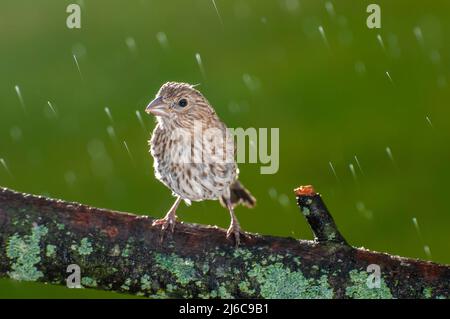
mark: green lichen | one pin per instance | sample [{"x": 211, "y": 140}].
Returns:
[
  {"x": 85, "y": 247},
  {"x": 244, "y": 287},
  {"x": 181, "y": 268},
  {"x": 221, "y": 272},
  {"x": 60, "y": 226},
  {"x": 205, "y": 268},
  {"x": 160, "y": 294},
  {"x": 223, "y": 293},
  {"x": 245, "y": 254},
  {"x": 126, "y": 285},
  {"x": 170, "y": 287},
  {"x": 427, "y": 292},
  {"x": 115, "y": 251},
  {"x": 25, "y": 254},
  {"x": 126, "y": 251},
  {"x": 88, "y": 282},
  {"x": 306, "y": 211},
  {"x": 211, "y": 294},
  {"x": 360, "y": 290},
  {"x": 330, "y": 232},
  {"x": 279, "y": 282},
  {"x": 146, "y": 283},
  {"x": 50, "y": 250}
]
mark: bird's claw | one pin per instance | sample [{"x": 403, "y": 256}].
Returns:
[
  {"x": 168, "y": 222},
  {"x": 235, "y": 230}
]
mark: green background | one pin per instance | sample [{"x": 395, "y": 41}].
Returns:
[{"x": 265, "y": 65}]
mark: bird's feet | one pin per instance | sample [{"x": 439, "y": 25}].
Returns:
[
  {"x": 168, "y": 222},
  {"x": 235, "y": 231}
]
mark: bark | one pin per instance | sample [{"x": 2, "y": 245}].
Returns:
[{"x": 41, "y": 237}]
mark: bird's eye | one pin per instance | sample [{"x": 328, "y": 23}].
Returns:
[{"x": 182, "y": 102}]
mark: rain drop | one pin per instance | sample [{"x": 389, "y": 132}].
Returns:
[
  {"x": 131, "y": 44},
  {"x": 141, "y": 121},
  {"x": 128, "y": 152},
  {"x": 381, "y": 42},
  {"x": 389, "y": 77},
  {"x": 16, "y": 133},
  {"x": 333, "y": 170},
  {"x": 330, "y": 9},
  {"x": 19, "y": 95},
  {"x": 5, "y": 166},
  {"x": 108, "y": 114},
  {"x": 162, "y": 39},
  {"x": 217, "y": 11},
  {"x": 324, "y": 37},
  {"x": 77, "y": 65},
  {"x": 198, "y": 58},
  {"x": 427, "y": 118}
]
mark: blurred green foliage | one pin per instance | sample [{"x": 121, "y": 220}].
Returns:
[{"x": 266, "y": 65}]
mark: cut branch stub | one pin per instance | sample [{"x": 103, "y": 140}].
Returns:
[{"x": 319, "y": 219}]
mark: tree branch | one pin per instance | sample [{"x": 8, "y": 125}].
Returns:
[{"x": 40, "y": 238}]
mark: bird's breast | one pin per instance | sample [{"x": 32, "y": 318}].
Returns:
[{"x": 191, "y": 167}]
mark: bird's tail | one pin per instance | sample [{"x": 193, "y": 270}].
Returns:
[{"x": 239, "y": 195}]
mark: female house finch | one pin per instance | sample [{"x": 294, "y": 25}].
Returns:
[{"x": 193, "y": 153}]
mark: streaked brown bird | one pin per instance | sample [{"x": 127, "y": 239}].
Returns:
[{"x": 193, "y": 153}]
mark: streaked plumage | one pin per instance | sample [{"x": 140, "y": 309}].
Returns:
[{"x": 194, "y": 152}]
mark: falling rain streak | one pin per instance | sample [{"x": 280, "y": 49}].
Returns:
[
  {"x": 352, "y": 170},
  {"x": 3, "y": 163},
  {"x": 200, "y": 64},
  {"x": 108, "y": 114},
  {"x": 419, "y": 36},
  {"x": 250, "y": 82},
  {"x": 78, "y": 66},
  {"x": 389, "y": 77},
  {"x": 141, "y": 121},
  {"x": 334, "y": 171},
  {"x": 330, "y": 9},
  {"x": 360, "y": 67},
  {"x": 131, "y": 44},
  {"x": 128, "y": 151},
  {"x": 112, "y": 133},
  {"x": 389, "y": 154},
  {"x": 162, "y": 39},
  {"x": 52, "y": 108},
  {"x": 429, "y": 121},
  {"x": 416, "y": 226},
  {"x": 427, "y": 251},
  {"x": 381, "y": 42},
  {"x": 359, "y": 164},
  {"x": 19, "y": 95},
  {"x": 426, "y": 248},
  {"x": 324, "y": 37},
  {"x": 217, "y": 11}
]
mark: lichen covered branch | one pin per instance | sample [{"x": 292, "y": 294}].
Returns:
[{"x": 40, "y": 238}]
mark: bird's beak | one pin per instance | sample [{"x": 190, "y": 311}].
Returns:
[{"x": 157, "y": 107}]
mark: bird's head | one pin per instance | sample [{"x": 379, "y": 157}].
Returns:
[{"x": 179, "y": 102}]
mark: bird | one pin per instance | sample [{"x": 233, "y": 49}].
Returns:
[{"x": 194, "y": 154}]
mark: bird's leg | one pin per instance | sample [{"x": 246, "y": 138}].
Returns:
[
  {"x": 235, "y": 228},
  {"x": 170, "y": 218}
]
